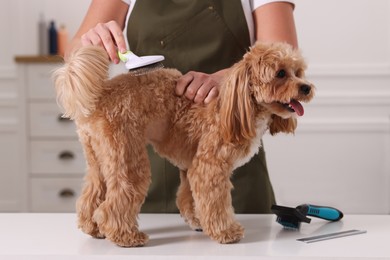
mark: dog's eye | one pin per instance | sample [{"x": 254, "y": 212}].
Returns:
[{"x": 281, "y": 74}]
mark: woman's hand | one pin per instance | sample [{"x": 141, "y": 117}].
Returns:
[
  {"x": 102, "y": 25},
  {"x": 200, "y": 87},
  {"x": 108, "y": 35}
]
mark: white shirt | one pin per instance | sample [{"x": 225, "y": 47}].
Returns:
[{"x": 248, "y": 6}]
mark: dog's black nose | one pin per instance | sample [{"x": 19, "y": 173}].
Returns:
[{"x": 305, "y": 89}]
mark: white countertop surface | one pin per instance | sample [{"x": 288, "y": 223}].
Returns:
[{"x": 55, "y": 236}]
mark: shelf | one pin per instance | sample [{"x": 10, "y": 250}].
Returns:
[{"x": 38, "y": 59}]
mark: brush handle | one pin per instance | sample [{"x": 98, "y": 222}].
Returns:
[
  {"x": 327, "y": 213},
  {"x": 124, "y": 57}
]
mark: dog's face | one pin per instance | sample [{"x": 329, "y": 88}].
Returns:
[
  {"x": 269, "y": 77},
  {"x": 277, "y": 79}
]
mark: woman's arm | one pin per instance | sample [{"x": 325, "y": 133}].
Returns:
[
  {"x": 274, "y": 22},
  {"x": 102, "y": 25}
]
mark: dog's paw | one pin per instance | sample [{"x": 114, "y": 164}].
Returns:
[
  {"x": 117, "y": 228},
  {"x": 231, "y": 235},
  {"x": 90, "y": 228},
  {"x": 194, "y": 224},
  {"x": 94, "y": 232},
  {"x": 134, "y": 239}
]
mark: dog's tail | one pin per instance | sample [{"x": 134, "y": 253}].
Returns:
[{"x": 79, "y": 83}]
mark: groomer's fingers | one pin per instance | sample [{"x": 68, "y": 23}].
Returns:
[
  {"x": 117, "y": 35},
  {"x": 195, "y": 86},
  {"x": 115, "y": 41},
  {"x": 109, "y": 36},
  {"x": 198, "y": 86},
  {"x": 191, "y": 83},
  {"x": 100, "y": 36},
  {"x": 106, "y": 39},
  {"x": 213, "y": 93},
  {"x": 92, "y": 37},
  {"x": 203, "y": 91},
  {"x": 86, "y": 39},
  {"x": 183, "y": 82}
]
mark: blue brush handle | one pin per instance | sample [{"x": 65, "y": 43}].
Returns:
[{"x": 327, "y": 213}]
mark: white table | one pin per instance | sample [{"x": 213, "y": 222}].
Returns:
[{"x": 55, "y": 236}]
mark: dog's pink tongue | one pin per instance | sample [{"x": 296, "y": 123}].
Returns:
[{"x": 297, "y": 107}]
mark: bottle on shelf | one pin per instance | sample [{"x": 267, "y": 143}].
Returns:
[
  {"x": 53, "y": 39},
  {"x": 62, "y": 39}
]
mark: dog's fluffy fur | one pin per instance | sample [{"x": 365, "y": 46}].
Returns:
[{"x": 117, "y": 117}]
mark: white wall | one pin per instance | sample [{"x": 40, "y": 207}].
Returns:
[{"x": 340, "y": 154}]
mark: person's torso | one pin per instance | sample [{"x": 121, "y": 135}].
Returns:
[{"x": 202, "y": 35}]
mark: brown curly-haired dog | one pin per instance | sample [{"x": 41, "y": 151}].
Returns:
[{"x": 117, "y": 117}]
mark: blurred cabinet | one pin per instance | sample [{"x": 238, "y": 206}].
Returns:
[
  {"x": 54, "y": 158},
  {"x": 11, "y": 177}
]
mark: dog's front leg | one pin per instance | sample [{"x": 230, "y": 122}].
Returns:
[
  {"x": 210, "y": 183},
  {"x": 185, "y": 202},
  {"x": 126, "y": 170}
]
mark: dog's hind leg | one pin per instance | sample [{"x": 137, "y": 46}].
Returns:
[
  {"x": 185, "y": 202},
  {"x": 126, "y": 170},
  {"x": 211, "y": 188},
  {"x": 93, "y": 192}
]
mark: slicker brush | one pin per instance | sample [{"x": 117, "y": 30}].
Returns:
[
  {"x": 140, "y": 65},
  {"x": 291, "y": 218}
]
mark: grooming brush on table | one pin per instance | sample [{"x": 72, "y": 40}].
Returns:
[
  {"x": 291, "y": 218},
  {"x": 139, "y": 65}
]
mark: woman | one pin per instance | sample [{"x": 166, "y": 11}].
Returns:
[{"x": 201, "y": 39}]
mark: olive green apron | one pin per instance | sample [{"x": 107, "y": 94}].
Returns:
[{"x": 205, "y": 36}]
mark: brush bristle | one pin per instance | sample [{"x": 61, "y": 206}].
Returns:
[
  {"x": 146, "y": 69},
  {"x": 289, "y": 224},
  {"x": 289, "y": 218}
]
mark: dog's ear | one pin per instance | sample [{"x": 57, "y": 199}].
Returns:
[
  {"x": 262, "y": 61},
  {"x": 236, "y": 105},
  {"x": 282, "y": 125}
]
